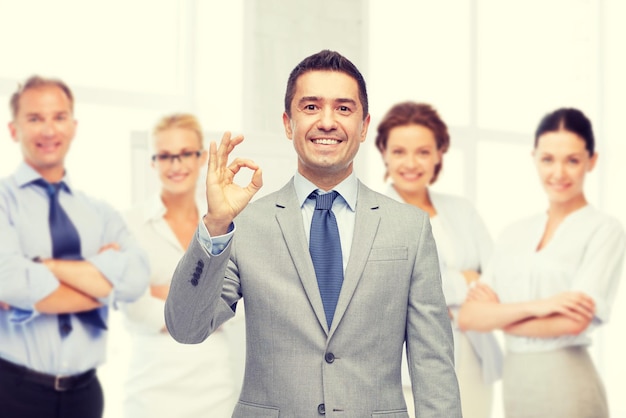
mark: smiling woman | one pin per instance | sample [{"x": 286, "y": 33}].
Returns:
[
  {"x": 564, "y": 153},
  {"x": 166, "y": 378},
  {"x": 552, "y": 281},
  {"x": 413, "y": 139}
]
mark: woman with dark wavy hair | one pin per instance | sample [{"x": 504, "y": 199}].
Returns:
[{"x": 412, "y": 139}]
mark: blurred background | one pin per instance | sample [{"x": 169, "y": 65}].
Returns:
[{"x": 492, "y": 68}]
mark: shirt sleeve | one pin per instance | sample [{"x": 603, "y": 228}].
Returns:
[
  {"x": 23, "y": 282},
  {"x": 128, "y": 269},
  {"x": 454, "y": 286},
  {"x": 475, "y": 245},
  {"x": 601, "y": 268}
]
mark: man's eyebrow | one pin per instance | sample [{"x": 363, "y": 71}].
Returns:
[
  {"x": 346, "y": 100},
  {"x": 308, "y": 99},
  {"x": 56, "y": 112},
  {"x": 337, "y": 100}
]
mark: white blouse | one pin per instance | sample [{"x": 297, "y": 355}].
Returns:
[
  {"x": 463, "y": 243},
  {"x": 585, "y": 254},
  {"x": 166, "y": 378}
]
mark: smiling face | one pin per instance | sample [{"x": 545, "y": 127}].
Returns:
[
  {"x": 178, "y": 176},
  {"x": 411, "y": 156},
  {"x": 44, "y": 126},
  {"x": 562, "y": 162},
  {"x": 326, "y": 126}
]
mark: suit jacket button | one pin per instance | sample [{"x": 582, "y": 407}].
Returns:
[
  {"x": 321, "y": 409},
  {"x": 329, "y": 357}
]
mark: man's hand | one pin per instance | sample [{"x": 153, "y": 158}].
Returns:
[
  {"x": 4, "y": 306},
  {"x": 225, "y": 199}
]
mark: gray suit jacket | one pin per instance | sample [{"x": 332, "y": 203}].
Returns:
[{"x": 295, "y": 366}]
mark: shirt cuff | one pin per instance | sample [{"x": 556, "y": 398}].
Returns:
[
  {"x": 214, "y": 245},
  {"x": 21, "y": 316}
]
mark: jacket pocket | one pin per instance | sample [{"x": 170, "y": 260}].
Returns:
[
  {"x": 250, "y": 410},
  {"x": 387, "y": 254},
  {"x": 396, "y": 413}
]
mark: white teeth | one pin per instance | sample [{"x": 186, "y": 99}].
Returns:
[
  {"x": 326, "y": 141},
  {"x": 48, "y": 147},
  {"x": 413, "y": 176}
]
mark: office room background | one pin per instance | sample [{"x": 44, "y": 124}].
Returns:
[{"x": 491, "y": 67}]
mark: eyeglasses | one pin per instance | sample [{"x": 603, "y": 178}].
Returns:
[{"x": 183, "y": 157}]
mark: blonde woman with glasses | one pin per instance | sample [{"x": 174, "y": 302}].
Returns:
[{"x": 165, "y": 378}]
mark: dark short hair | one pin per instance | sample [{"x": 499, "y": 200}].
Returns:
[
  {"x": 34, "y": 82},
  {"x": 326, "y": 60},
  {"x": 412, "y": 113},
  {"x": 571, "y": 120}
]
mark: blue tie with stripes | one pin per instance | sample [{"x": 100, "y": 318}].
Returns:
[
  {"x": 66, "y": 245},
  {"x": 325, "y": 249}
]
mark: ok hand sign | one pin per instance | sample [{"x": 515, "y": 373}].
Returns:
[{"x": 225, "y": 199}]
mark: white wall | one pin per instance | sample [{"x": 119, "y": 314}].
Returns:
[{"x": 492, "y": 68}]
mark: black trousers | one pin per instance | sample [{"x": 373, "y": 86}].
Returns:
[{"x": 20, "y": 397}]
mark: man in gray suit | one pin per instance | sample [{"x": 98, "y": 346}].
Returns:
[{"x": 314, "y": 348}]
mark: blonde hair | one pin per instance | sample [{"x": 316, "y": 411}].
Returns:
[
  {"x": 182, "y": 121},
  {"x": 36, "y": 82}
]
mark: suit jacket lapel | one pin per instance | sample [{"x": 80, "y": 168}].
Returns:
[
  {"x": 289, "y": 218},
  {"x": 365, "y": 227}
]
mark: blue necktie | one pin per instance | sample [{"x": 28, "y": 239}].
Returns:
[
  {"x": 66, "y": 245},
  {"x": 325, "y": 249}
]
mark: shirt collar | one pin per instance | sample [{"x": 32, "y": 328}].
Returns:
[
  {"x": 348, "y": 189},
  {"x": 154, "y": 208},
  {"x": 25, "y": 175},
  {"x": 393, "y": 193}
]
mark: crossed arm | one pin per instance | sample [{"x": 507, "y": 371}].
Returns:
[
  {"x": 80, "y": 285},
  {"x": 567, "y": 313}
]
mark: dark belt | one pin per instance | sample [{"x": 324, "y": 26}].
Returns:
[{"x": 58, "y": 383}]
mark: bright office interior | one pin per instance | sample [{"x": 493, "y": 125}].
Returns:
[{"x": 492, "y": 68}]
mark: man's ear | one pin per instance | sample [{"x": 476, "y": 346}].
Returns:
[
  {"x": 287, "y": 125},
  {"x": 13, "y": 130},
  {"x": 366, "y": 124}
]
